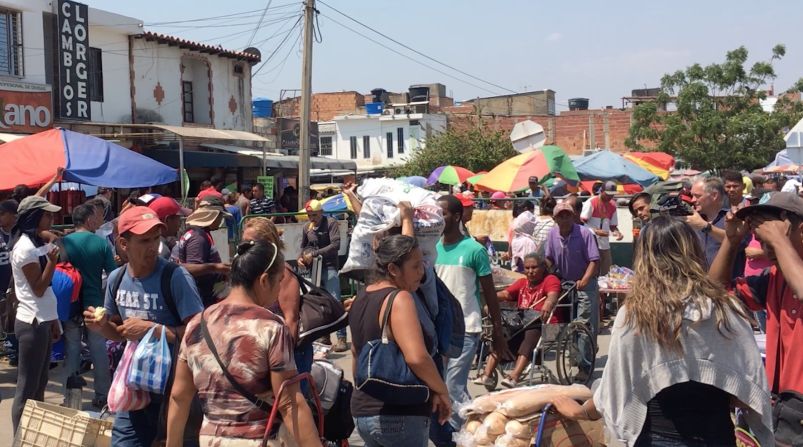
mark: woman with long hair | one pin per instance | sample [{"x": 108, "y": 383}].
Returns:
[
  {"x": 399, "y": 269},
  {"x": 682, "y": 353},
  {"x": 255, "y": 347},
  {"x": 37, "y": 321}
]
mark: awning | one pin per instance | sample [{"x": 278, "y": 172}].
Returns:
[
  {"x": 273, "y": 160},
  {"x": 203, "y": 159},
  {"x": 212, "y": 134}
]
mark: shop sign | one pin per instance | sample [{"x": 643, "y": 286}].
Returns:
[
  {"x": 267, "y": 182},
  {"x": 25, "y": 107},
  {"x": 289, "y": 131},
  {"x": 73, "y": 42}
]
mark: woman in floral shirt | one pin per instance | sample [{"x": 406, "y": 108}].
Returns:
[{"x": 257, "y": 349}]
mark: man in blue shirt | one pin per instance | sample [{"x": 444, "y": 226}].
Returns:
[{"x": 135, "y": 303}]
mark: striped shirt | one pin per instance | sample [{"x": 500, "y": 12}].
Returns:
[{"x": 264, "y": 205}]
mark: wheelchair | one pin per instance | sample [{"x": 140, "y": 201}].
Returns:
[{"x": 565, "y": 353}]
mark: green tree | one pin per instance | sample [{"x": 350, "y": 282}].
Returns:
[
  {"x": 719, "y": 122},
  {"x": 476, "y": 149}
]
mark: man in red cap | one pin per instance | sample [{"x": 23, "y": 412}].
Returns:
[
  {"x": 148, "y": 291},
  {"x": 170, "y": 213}
]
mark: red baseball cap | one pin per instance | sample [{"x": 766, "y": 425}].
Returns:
[
  {"x": 465, "y": 200},
  {"x": 138, "y": 220},
  {"x": 211, "y": 191},
  {"x": 165, "y": 207}
]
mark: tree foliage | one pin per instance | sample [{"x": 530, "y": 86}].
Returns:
[
  {"x": 476, "y": 149},
  {"x": 719, "y": 121}
]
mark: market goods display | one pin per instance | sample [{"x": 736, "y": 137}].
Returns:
[{"x": 510, "y": 418}]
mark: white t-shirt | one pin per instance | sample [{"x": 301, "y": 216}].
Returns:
[
  {"x": 30, "y": 306},
  {"x": 598, "y": 215},
  {"x": 791, "y": 185}
]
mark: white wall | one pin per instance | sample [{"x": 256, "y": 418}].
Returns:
[{"x": 32, "y": 37}]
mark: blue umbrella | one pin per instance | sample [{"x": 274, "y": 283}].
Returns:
[
  {"x": 606, "y": 165},
  {"x": 415, "y": 180}
]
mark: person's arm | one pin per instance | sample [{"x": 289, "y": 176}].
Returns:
[
  {"x": 354, "y": 199},
  {"x": 406, "y": 217},
  {"x": 614, "y": 226},
  {"x": 206, "y": 269},
  {"x": 721, "y": 269},
  {"x": 404, "y": 316},
  {"x": 775, "y": 234},
  {"x": 718, "y": 233},
  {"x": 46, "y": 187},
  {"x": 295, "y": 411},
  {"x": 334, "y": 240},
  {"x": 180, "y": 401},
  {"x": 504, "y": 296},
  {"x": 196, "y": 251},
  {"x": 591, "y": 271},
  {"x": 573, "y": 410},
  {"x": 39, "y": 278},
  {"x": 290, "y": 302},
  {"x": 489, "y": 295},
  {"x": 108, "y": 262}
]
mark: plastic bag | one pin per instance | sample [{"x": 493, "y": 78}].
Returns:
[
  {"x": 121, "y": 397},
  {"x": 150, "y": 366}
]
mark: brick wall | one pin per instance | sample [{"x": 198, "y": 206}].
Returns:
[
  {"x": 325, "y": 106},
  {"x": 569, "y": 130}
]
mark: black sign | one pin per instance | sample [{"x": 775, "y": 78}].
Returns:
[
  {"x": 289, "y": 131},
  {"x": 73, "y": 42}
]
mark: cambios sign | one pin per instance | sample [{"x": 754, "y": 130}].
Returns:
[
  {"x": 25, "y": 107},
  {"x": 73, "y": 42}
]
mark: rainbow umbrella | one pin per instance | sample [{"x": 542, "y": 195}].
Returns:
[
  {"x": 449, "y": 175},
  {"x": 545, "y": 163},
  {"x": 659, "y": 163},
  {"x": 476, "y": 177}
]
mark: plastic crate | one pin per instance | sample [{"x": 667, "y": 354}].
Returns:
[{"x": 48, "y": 425}]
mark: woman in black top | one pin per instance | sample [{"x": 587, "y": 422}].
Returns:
[{"x": 399, "y": 266}]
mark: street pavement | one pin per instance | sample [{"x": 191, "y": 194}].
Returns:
[{"x": 8, "y": 380}]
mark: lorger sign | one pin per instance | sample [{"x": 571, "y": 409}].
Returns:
[
  {"x": 24, "y": 107},
  {"x": 74, "y": 61}
]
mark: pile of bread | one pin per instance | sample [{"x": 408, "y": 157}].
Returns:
[{"x": 510, "y": 418}]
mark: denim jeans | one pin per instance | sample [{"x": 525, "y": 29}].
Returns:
[
  {"x": 73, "y": 333},
  {"x": 761, "y": 318},
  {"x": 393, "y": 431},
  {"x": 331, "y": 282},
  {"x": 588, "y": 310},
  {"x": 457, "y": 371}
]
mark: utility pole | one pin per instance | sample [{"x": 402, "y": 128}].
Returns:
[{"x": 306, "y": 100}]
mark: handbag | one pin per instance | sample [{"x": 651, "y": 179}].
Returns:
[
  {"x": 150, "y": 366},
  {"x": 382, "y": 372},
  {"x": 121, "y": 397},
  {"x": 335, "y": 397},
  {"x": 320, "y": 313}
]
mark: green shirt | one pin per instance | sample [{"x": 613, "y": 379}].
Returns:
[
  {"x": 91, "y": 255},
  {"x": 460, "y": 266}
]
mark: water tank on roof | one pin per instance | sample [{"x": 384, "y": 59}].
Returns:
[
  {"x": 262, "y": 108},
  {"x": 374, "y": 108},
  {"x": 578, "y": 104}
]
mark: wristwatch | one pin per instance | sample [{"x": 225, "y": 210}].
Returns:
[{"x": 707, "y": 228}]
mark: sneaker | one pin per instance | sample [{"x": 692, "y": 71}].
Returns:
[
  {"x": 484, "y": 381},
  {"x": 507, "y": 382},
  {"x": 341, "y": 345}
]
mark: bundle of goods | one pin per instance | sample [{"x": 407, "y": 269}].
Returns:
[
  {"x": 380, "y": 212},
  {"x": 511, "y": 418},
  {"x": 617, "y": 278}
]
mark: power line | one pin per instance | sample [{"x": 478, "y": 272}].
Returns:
[
  {"x": 280, "y": 65},
  {"x": 287, "y": 36},
  {"x": 409, "y": 57},
  {"x": 234, "y": 14},
  {"x": 414, "y": 50},
  {"x": 256, "y": 28}
]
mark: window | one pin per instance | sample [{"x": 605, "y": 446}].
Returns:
[
  {"x": 366, "y": 147},
  {"x": 95, "y": 74},
  {"x": 326, "y": 145},
  {"x": 10, "y": 43},
  {"x": 186, "y": 97},
  {"x": 389, "y": 142},
  {"x": 353, "y": 142},
  {"x": 400, "y": 139}
]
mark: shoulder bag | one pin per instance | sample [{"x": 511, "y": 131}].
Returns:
[
  {"x": 382, "y": 372},
  {"x": 320, "y": 313}
]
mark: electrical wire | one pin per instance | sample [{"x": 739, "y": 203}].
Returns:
[
  {"x": 280, "y": 65},
  {"x": 414, "y": 50},
  {"x": 256, "y": 28},
  {"x": 204, "y": 19},
  {"x": 409, "y": 57},
  {"x": 287, "y": 36}
]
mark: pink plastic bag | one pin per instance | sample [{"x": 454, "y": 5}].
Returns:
[{"x": 122, "y": 398}]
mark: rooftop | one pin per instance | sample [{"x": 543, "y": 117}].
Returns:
[{"x": 198, "y": 46}]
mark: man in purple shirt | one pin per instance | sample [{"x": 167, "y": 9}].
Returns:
[{"x": 573, "y": 251}]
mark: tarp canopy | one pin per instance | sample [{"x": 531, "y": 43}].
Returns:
[
  {"x": 606, "y": 165},
  {"x": 89, "y": 160}
]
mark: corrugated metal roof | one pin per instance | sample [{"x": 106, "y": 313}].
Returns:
[
  {"x": 273, "y": 160},
  {"x": 212, "y": 134},
  {"x": 198, "y": 46}
]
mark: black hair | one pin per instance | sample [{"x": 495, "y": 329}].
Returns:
[
  {"x": 82, "y": 213},
  {"x": 453, "y": 204},
  {"x": 259, "y": 186},
  {"x": 393, "y": 250},
  {"x": 205, "y": 184},
  {"x": 547, "y": 205},
  {"x": 636, "y": 198},
  {"x": 578, "y": 207},
  {"x": 254, "y": 258},
  {"x": 20, "y": 192},
  {"x": 97, "y": 203},
  {"x": 729, "y": 175},
  {"x": 245, "y": 189}
]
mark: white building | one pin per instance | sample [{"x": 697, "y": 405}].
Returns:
[
  {"x": 63, "y": 63},
  {"x": 377, "y": 142}
]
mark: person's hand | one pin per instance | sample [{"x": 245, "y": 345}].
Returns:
[
  {"x": 581, "y": 283},
  {"x": 53, "y": 254},
  {"x": 348, "y": 302},
  {"x": 442, "y": 406},
  {"x": 772, "y": 232},
  {"x": 696, "y": 221},
  {"x": 60, "y": 172},
  {"x": 405, "y": 210},
  {"x": 568, "y": 407},
  {"x": 301, "y": 261},
  {"x": 499, "y": 345},
  {"x": 600, "y": 232},
  {"x": 91, "y": 318},
  {"x": 618, "y": 235},
  {"x": 55, "y": 331},
  {"x": 505, "y": 256},
  {"x": 307, "y": 257},
  {"x": 546, "y": 310},
  {"x": 735, "y": 229},
  {"x": 134, "y": 328},
  {"x": 222, "y": 268}
]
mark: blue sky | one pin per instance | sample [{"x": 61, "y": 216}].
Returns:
[{"x": 594, "y": 49}]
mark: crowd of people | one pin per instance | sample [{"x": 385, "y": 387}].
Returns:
[{"x": 722, "y": 262}]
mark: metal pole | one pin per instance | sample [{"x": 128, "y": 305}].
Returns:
[
  {"x": 181, "y": 167},
  {"x": 306, "y": 99}
]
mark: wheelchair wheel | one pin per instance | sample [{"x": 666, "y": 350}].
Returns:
[
  {"x": 576, "y": 354},
  {"x": 491, "y": 386}
]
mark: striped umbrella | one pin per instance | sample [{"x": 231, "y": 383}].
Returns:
[
  {"x": 476, "y": 177},
  {"x": 449, "y": 175},
  {"x": 545, "y": 163}
]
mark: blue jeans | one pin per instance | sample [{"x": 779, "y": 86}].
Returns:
[
  {"x": 331, "y": 282},
  {"x": 392, "y": 431},
  {"x": 303, "y": 356},
  {"x": 588, "y": 310},
  {"x": 137, "y": 428},
  {"x": 457, "y": 371},
  {"x": 73, "y": 333},
  {"x": 761, "y": 318}
]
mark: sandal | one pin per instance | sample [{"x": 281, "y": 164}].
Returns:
[{"x": 508, "y": 382}]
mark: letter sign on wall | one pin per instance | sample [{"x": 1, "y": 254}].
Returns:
[{"x": 73, "y": 43}]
